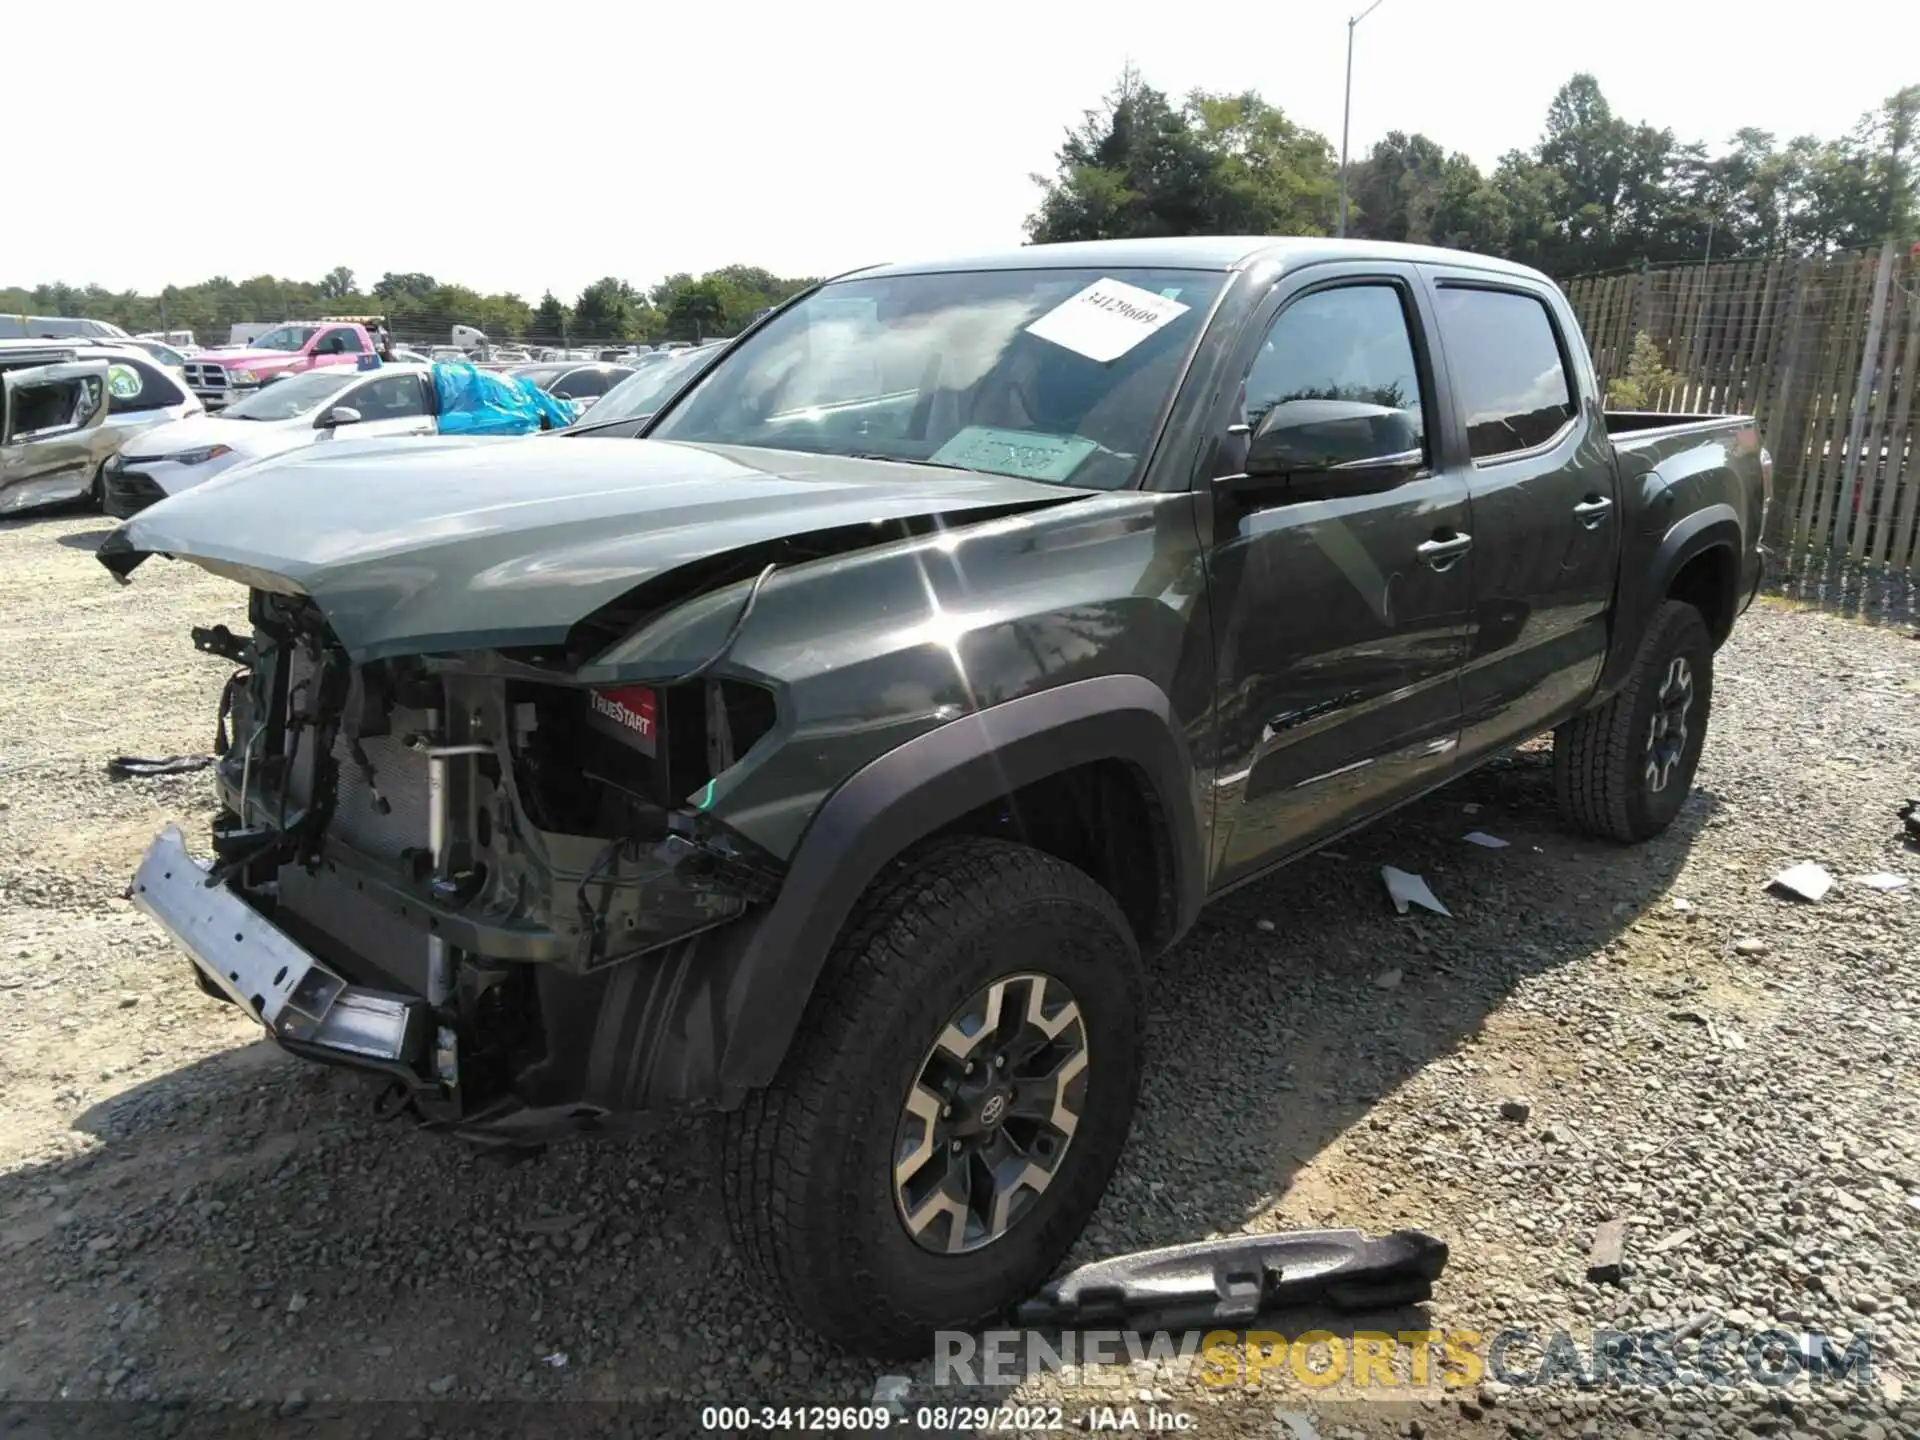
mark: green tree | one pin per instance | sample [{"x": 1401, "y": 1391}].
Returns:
[
  {"x": 1646, "y": 380},
  {"x": 1394, "y": 192},
  {"x": 699, "y": 310},
  {"x": 549, "y": 322},
  {"x": 607, "y": 310},
  {"x": 1534, "y": 197},
  {"x": 1862, "y": 187},
  {"x": 336, "y": 284},
  {"x": 412, "y": 285},
  {"x": 1133, "y": 167},
  {"x": 1273, "y": 176}
]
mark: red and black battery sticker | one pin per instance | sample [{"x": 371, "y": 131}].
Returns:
[{"x": 629, "y": 713}]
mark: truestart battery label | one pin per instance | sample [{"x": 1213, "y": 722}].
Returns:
[{"x": 629, "y": 713}]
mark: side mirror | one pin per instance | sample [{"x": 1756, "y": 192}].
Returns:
[
  {"x": 1328, "y": 438},
  {"x": 339, "y": 415}
]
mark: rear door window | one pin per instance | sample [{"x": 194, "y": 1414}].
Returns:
[
  {"x": 1508, "y": 366},
  {"x": 134, "y": 387}
]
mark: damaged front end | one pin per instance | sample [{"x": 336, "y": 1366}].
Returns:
[{"x": 470, "y": 872}]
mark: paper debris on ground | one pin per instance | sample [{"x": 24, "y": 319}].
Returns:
[
  {"x": 1470, "y": 808},
  {"x": 1481, "y": 838},
  {"x": 558, "y": 1360},
  {"x": 1683, "y": 906},
  {"x": 1405, "y": 890},
  {"x": 1806, "y": 880},
  {"x": 1606, "y": 1257},
  {"x": 890, "y": 1393},
  {"x": 1882, "y": 880}
]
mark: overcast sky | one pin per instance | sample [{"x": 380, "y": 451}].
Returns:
[{"x": 517, "y": 147}]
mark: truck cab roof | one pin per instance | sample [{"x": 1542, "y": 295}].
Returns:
[{"x": 1222, "y": 253}]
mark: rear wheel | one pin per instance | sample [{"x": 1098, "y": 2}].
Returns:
[
  {"x": 1624, "y": 770},
  {"x": 955, "y": 1102}
]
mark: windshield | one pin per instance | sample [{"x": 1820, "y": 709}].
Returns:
[
  {"x": 649, "y": 387},
  {"x": 285, "y": 399},
  {"x": 166, "y": 355},
  {"x": 1039, "y": 373},
  {"x": 1055, "y": 375},
  {"x": 287, "y": 337}
]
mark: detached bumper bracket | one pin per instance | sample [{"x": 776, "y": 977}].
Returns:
[
  {"x": 260, "y": 968},
  {"x": 1234, "y": 1280}
]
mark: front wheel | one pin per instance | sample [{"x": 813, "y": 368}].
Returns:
[
  {"x": 1624, "y": 770},
  {"x": 954, "y": 1104}
]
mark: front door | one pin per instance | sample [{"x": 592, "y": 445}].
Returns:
[
  {"x": 1339, "y": 608},
  {"x": 389, "y": 405}
]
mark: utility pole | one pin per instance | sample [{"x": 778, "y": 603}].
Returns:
[{"x": 1346, "y": 114}]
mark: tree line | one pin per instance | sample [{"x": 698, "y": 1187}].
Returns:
[
  {"x": 423, "y": 310},
  {"x": 1596, "y": 193}
]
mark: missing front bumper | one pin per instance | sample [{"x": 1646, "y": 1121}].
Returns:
[{"x": 257, "y": 966}]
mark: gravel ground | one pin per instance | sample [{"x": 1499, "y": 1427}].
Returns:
[{"x": 186, "y": 1215}]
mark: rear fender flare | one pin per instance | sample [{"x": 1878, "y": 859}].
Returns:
[
  {"x": 912, "y": 792},
  {"x": 1689, "y": 537}
]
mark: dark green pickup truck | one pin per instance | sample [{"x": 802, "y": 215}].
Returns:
[{"x": 834, "y": 755}]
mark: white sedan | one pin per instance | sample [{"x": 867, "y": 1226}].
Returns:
[{"x": 306, "y": 409}]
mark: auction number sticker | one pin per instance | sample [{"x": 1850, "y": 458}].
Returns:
[{"x": 1107, "y": 319}]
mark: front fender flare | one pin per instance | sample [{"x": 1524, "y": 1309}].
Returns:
[{"x": 913, "y": 791}]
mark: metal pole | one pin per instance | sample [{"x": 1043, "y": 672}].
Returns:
[{"x": 1346, "y": 113}]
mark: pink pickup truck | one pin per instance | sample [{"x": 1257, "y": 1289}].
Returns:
[{"x": 220, "y": 377}]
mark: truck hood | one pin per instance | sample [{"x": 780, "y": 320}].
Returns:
[
  {"x": 469, "y": 544},
  {"x": 247, "y": 359}
]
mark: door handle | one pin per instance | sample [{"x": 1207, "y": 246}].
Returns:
[
  {"x": 1591, "y": 511},
  {"x": 1441, "y": 554}
]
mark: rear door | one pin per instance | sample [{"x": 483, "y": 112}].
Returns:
[
  {"x": 1532, "y": 450},
  {"x": 140, "y": 395},
  {"x": 1339, "y": 608},
  {"x": 46, "y": 432}
]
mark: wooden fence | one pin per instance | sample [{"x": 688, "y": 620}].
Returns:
[{"x": 1825, "y": 353}]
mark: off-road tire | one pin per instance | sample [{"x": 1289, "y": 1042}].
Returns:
[
  {"x": 1600, "y": 758},
  {"x": 807, "y": 1164}
]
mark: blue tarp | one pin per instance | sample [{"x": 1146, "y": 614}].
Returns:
[{"x": 481, "y": 402}]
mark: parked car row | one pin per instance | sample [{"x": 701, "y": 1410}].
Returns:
[{"x": 111, "y": 423}]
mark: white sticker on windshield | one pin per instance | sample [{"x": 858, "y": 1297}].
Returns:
[{"x": 1107, "y": 319}]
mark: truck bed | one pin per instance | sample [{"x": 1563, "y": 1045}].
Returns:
[{"x": 1633, "y": 426}]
